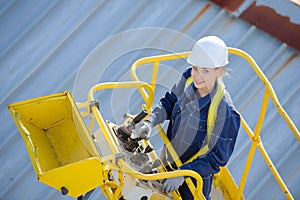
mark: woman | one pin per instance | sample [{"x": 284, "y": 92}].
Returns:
[{"x": 203, "y": 121}]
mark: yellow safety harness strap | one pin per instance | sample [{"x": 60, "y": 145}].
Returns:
[
  {"x": 211, "y": 119},
  {"x": 212, "y": 115},
  {"x": 189, "y": 81}
]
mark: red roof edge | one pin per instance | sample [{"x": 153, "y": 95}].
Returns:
[
  {"x": 228, "y": 5},
  {"x": 266, "y": 19}
]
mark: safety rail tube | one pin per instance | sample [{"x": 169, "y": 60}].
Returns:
[
  {"x": 119, "y": 85},
  {"x": 231, "y": 50},
  {"x": 259, "y": 145},
  {"x": 155, "y": 60},
  {"x": 113, "y": 85},
  {"x": 165, "y": 175},
  {"x": 254, "y": 137},
  {"x": 269, "y": 88}
]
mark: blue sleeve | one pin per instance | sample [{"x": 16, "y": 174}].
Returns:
[
  {"x": 164, "y": 109},
  {"x": 222, "y": 150}
]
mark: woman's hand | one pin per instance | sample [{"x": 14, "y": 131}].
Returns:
[
  {"x": 172, "y": 184},
  {"x": 142, "y": 130}
]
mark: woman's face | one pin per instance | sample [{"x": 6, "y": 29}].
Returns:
[{"x": 205, "y": 79}]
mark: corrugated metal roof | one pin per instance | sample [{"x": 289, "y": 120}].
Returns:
[{"x": 44, "y": 43}]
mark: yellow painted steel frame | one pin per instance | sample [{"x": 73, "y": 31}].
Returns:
[
  {"x": 110, "y": 189},
  {"x": 104, "y": 165},
  {"x": 227, "y": 184}
]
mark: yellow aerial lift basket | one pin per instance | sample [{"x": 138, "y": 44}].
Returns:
[
  {"x": 60, "y": 147},
  {"x": 64, "y": 154}
]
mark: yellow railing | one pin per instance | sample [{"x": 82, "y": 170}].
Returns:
[
  {"x": 115, "y": 85},
  {"x": 30, "y": 113},
  {"x": 121, "y": 165},
  {"x": 253, "y": 135}
]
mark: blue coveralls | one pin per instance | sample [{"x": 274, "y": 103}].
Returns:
[{"x": 187, "y": 130}]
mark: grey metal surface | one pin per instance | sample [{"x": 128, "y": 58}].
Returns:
[{"x": 43, "y": 46}]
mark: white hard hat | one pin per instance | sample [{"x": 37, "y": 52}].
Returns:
[{"x": 209, "y": 52}]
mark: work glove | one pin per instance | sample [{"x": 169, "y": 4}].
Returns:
[
  {"x": 172, "y": 184},
  {"x": 142, "y": 130}
]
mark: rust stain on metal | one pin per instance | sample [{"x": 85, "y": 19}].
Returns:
[
  {"x": 203, "y": 10},
  {"x": 285, "y": 64},
  {"x": 268, "y": 20},
  {"x": 229, "y": 5}
]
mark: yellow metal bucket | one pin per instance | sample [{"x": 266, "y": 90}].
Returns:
[{"x": 58, "y": 142}]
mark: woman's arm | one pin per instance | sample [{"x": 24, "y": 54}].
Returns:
[{"x": 164, "y": 109}]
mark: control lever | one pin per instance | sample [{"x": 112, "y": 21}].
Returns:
[
  {"x": 123, "y": 132},
  {"x": 140, "y": 116}
]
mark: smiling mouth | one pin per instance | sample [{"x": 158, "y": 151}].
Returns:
[{"x": 199, "y": 82}]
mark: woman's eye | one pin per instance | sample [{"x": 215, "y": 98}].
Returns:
[{"x": 205, "y": 71}]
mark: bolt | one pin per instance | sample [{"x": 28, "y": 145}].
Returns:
[{"x": 64, "y": 190}]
